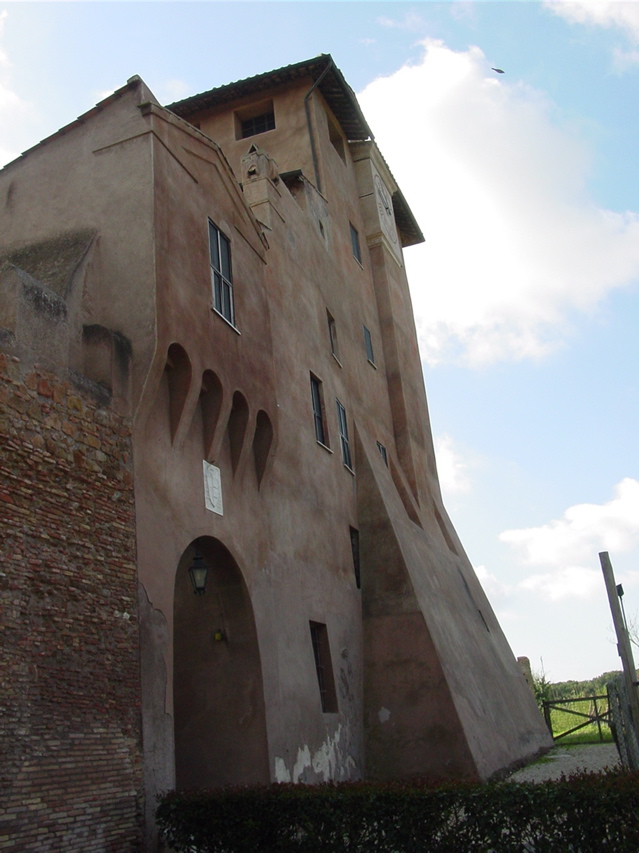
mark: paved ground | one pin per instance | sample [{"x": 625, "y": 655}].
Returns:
[{"x": 564, "y": 760}]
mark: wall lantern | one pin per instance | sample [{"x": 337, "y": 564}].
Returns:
[{"x": 198, "y": 572}]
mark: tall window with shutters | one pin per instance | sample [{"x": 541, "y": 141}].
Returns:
[
  {"x": 357, "y": 252},
  {"x": 317, "y": 399},
  {"x": 343, "y": 436},
  {"x": 368, "y": 343},
  {"x": 221, "y": 275}
]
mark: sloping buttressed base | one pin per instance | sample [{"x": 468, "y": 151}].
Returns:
[{"x": 443, "y": 694}]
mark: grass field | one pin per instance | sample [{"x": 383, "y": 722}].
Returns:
[{"x": 563, "y": 718}]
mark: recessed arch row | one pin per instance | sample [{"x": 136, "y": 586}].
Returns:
[{"x": 222, "y": 414}]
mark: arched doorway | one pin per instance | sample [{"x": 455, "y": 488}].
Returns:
[{"x": 219, "y": 718}]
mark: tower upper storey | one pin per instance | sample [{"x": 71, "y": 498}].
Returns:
[{"x": 308, "y": 119}]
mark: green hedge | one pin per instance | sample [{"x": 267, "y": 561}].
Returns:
[{"x": 584, "y": 813}]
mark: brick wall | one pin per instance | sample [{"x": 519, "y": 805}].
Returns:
[{"x": 70, "y": 771}]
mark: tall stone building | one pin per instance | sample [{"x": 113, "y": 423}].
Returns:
[{"x": 210, "y": 366}]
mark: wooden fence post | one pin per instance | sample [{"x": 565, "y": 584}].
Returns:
[
  {"x": 623, "y": 642},
  {"x": 547, "y": 716}
]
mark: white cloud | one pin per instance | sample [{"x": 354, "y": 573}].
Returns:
[
  {"x": 603, "y": 13},
  {"x": 584, "y": 530},
  {"x": 630, "y": 580},
  {"x": 509, "y": 616},
  {"x": 625, "y": 59},
  {"x": 451, "y": 467},
  {"x": 100, "y": 94},
  {"x": 13, "y": 110},
  {"x": 409, "y": 21},
  {"x": 4, "y": 59},
  {"x": 623, "y": 16},
  {"x": 571, "y": 582},
  {"x": 569, "y": 546},
  {"x": 493, "y": 587},
  {"x": 514, "y": 246},
  {"x": 463, "y": 10},
  {"x": 174, "y": 90}
]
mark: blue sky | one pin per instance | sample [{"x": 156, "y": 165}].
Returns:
[{"x": 526, "y": 292}]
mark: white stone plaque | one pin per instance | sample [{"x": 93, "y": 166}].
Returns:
[{"x": 213, "y": 488}]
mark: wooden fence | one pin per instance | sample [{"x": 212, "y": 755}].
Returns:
[{"x": 597, "y": 712}]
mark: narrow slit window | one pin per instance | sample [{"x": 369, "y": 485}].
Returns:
[
  {"x": 324, "y": 667},
  {"x": 355, "y": 551},
  {"x": 221, "y": 277},
  {"x": 332, "y": 334},
  {"x": 357, "y": 254},
  {"x": 382, "y": 452},
  {"x": 368, "y": 343},
  {"x": 343, "y": 435},
  {"x": 321, "y": 433}
]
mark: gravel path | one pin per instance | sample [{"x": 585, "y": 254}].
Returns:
[{"x": 593, "y": 758}]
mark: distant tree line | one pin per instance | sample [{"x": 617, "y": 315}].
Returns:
[{"x": 593, "y": 687}]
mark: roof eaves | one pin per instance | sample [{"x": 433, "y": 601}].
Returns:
[
  {"x": 333, "y": 87},
  {"x": 406, "y": 222}
]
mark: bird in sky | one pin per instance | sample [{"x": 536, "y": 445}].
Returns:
[{"x": 498, "y": 70}]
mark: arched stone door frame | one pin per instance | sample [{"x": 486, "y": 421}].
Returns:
[{"x": 219, "y": 714}]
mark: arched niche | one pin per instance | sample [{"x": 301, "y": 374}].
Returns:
[
  {"x": 236, "y": 428},
  {"x": 262, "y": 441},
  {"x": 211, "y": 397},
  {"x": 219, "y": 717},
  {"x": 177, "y": 371}
]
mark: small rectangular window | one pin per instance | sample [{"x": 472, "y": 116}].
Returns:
[
  {"x": 258, "y": 124},
  {"x": 332, "y": 334},
  {"x": 221, "y": 278},
  {"x": 382, "y": 452},
  {"x": 355, "y": 550},
  {"x": 321, "y": 433},
  {"x": 254, "y": 118},
  {"x": 324, "y": 667},
  {"x": 337, "y": 140},
  {"x": 368, "y": 343},
  {"x": 355, "y": 244},
  {"x": 343, "y": 435}
]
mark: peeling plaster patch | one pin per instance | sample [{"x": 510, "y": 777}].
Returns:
[
  {"x": 324, "y": 759},
  {"x": 384, "y": 715},
  {"x": 281, "y": 772},
  {"x": 328, "y": 762},
  {"x": 303, "y": 761}
]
